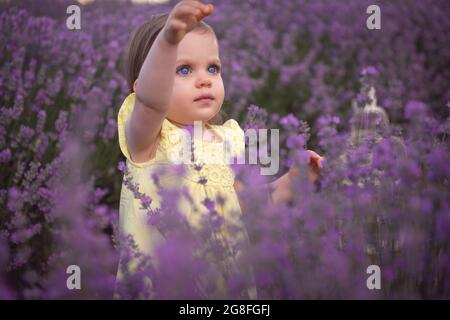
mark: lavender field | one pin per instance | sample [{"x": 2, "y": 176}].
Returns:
[{"x": 304, "y": 67}]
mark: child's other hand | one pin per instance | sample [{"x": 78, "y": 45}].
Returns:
[
  {"x": 315, "y": 164},
  {"x": 183, "y": 18},
  {"x": 282, "y": 187}
]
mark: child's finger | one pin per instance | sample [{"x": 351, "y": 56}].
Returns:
[
  {"x": 187, "y": 12},
  {"x": 187, "y": 7},
  {"x": 317, "y": 162},
  {"x": 190, "y": 14},
  {"x": 208, "y": 9},
  {"x": 316, "y": 168},
  {"x": 320, "y": 162},
  {"x": 205, "y": 9},
  {"x": 203, "y": 6},
  {"x": 177, "y": 25},
  {"x": 314, "y": 155},
  {"x": 314, "y": 158}
]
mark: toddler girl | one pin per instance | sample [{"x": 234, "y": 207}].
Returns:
[{"x": 174, "y": 75}]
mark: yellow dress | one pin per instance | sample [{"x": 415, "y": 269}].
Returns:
[{"x": 215, "y": 179}]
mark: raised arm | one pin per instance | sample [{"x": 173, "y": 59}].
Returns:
[{"x": 156, "y": 78}]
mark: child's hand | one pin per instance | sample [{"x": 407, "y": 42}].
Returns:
[
  {"x": 282, "y": 187},
  {"x": 315, "y": 165},
  {"x": 183, "y": 18}
]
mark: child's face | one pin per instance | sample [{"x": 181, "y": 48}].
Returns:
[{"x": 197, "y": 73}]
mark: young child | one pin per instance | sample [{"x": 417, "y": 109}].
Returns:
[{"x": 174, "y": 75}]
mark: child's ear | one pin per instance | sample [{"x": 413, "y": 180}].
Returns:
[{"x": 134, "y": 85}]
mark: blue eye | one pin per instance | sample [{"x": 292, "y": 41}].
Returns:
[
  {"x": 214, "y": 66},
  {"x": 183, "y": 68},
  {"x": 187, "y": 69}
]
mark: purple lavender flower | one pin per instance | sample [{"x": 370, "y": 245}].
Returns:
[
  {"x": 383, "y": 200},
  {"x": 415, "y": 109}
]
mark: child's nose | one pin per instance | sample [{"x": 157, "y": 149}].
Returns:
[{"x": 204, "y": 81}]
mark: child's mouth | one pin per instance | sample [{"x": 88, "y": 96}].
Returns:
[{"x": 204, "y": 100}]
